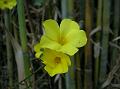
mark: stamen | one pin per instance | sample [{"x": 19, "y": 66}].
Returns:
[
  {"x": 57, "y": 60},
  {"x": 62, "y": 40}
]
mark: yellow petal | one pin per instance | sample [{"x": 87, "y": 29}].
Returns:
[
  {"x": 52, "y": 67},
  {"x": 12, "y": 4},
  {"x": 64, "y": 65},
  {"x": 37, "y": 47},
  {"x": 67, "y": 25},
  {"x": 58, "y": 54},
  {"x": 67, "y": 58},
  {"x": 68, "y": 49},
  {"x": 58, "y": 69},
  {"x": 2, "y": 6},
  {"x": 83, "y": 38},
  {"x": 49, "y": 70},
  {"x": 48, "y": 58},
  {"x": 9, "y": 4},
  {"x": 48, "y": 43},
  {"x": 37, "y": 55},
  {"x": 51, "y": 29},
  {"x": 77, "y": 38}
]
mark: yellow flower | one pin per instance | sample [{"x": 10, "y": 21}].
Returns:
[
  {"x": 66, "y": 39},
  {"x": 55, "y": 62},
  {"x": 7, "y": 4}
]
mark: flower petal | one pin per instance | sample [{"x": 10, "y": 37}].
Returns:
[
  {"x": 58, "y": 69},
  {"x": 9, "y": 4},
  {"x": 48, "y": 43},
  {"x": 48, "y": 58},
  {"x": 37, "y": 55},
  {"x": 67, "y": 58},
  {"x": 67, "y": 25},
  {"x": 52, "y": 67},
  {"x": 49, "y": 70},
  {"x": 37, "y": 47},
  {"x": 51, "y": 29},
  {"x": 68, "y": 49},
  {"x": 83, "y": 38},
  {"x": 64, "y": 65},
  {"x": 12, "y": 4},
  {"x": 77, "y": 38}
]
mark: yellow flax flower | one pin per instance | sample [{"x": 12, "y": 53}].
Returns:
[
  {"x": 4, "y": 4},
  {"x": 55, "y": 62},
  {"x": 66, "y": 39}
]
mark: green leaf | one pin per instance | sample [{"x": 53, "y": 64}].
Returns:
[{"x": 18, "y": 57}]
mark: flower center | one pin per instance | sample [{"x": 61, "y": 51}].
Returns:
[
  {"x": 62, "y": 40},
  {"x": 57, "y": 60}
]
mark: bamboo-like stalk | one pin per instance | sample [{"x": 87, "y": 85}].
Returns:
[
  {"x": 70, "y": 76},
  {"x": 116, "y": 23},
  {"x": 9, "y": 48},
  {"x": 82, "y": 9},
  {"x": 105, "y": 40},
  {"x": 23, "y": 36},
  {"x": 64, "y": 8},
  {"x": 97, "y": 60},
  {"x": 70, "y": 7},
  {"x": 78, "y": 72},
  {"x": 88, "y": 83},
  {"x": 67, "y": 11},
  {"x": 79, "y": 56}
]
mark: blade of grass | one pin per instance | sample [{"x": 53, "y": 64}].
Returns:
[
  {"x": 19, "y": 58},
  {"x": 23, "y": 36}
]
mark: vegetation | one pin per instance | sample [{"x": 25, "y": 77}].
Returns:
[{"x": 94, "y": 66}]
